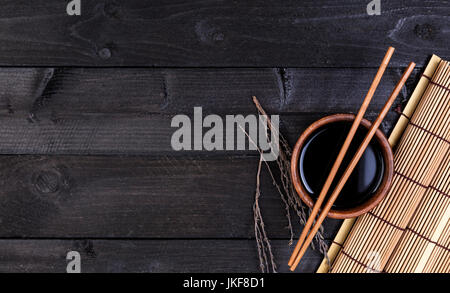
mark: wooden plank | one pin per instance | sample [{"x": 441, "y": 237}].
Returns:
[
  {"x": 145, "y": 256},
  {"x": 173, "y": 91},
  {"x": 136, "y": 90},
  {"x": 221, "y": 33},
  {"x": 136, "y": 197},
  {"x": 103, "y": 134},
  {"x": 118, "y": 135},
  {"x": 128, "y": 111}
]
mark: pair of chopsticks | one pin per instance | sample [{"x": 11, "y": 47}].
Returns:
[{"x": 306, "y": 238}]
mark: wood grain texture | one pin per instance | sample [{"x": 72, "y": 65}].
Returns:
[
  {"x": 116, "y": 135},
  {"x": 212, "y": 33},
  {"x": 174, "y": 91},
  {"x": 135, "y": 197},
  {"x": 128, "y": 111},
  {"x": 143, "y": 256}
]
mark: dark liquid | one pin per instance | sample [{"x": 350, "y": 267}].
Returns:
[{"x": 319, "y": 154}]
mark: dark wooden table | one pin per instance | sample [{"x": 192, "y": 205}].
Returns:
[{"x": 86, "y": 104}]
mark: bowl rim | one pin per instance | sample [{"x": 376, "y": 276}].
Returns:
[{"x": 373, "y": 201}]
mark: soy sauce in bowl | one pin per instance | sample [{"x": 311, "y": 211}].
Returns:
[{"x": 319, "y": 153}]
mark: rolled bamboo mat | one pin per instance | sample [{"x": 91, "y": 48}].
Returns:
[
  {"x": 394, "y": 138},
  {"x": 419, "y": 154},
  {"x": 424, "y": 245}
]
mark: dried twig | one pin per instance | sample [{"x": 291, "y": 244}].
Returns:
[
  {"x": 262, "y": 241},
  {"x": 287, "y": 194}
]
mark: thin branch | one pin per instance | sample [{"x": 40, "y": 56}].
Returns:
[{"x": 287, "y": 194}]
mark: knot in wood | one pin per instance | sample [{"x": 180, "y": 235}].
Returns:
[
  {"x": 46, "y": 182},
  {"x": 104, "y": 53},
  {"x": 425, "y": 31}
]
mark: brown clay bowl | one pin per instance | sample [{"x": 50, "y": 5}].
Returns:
[{"x": 375, "y": 196}]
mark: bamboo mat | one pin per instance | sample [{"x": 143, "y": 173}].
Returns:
[
  {"x": 425, "y": 241},
  {"x": 370, "y": 240}
]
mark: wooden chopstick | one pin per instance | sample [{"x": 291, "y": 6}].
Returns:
[
  {"x": 342, "y": 152},
  {"x": 353, "y": 163}
]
